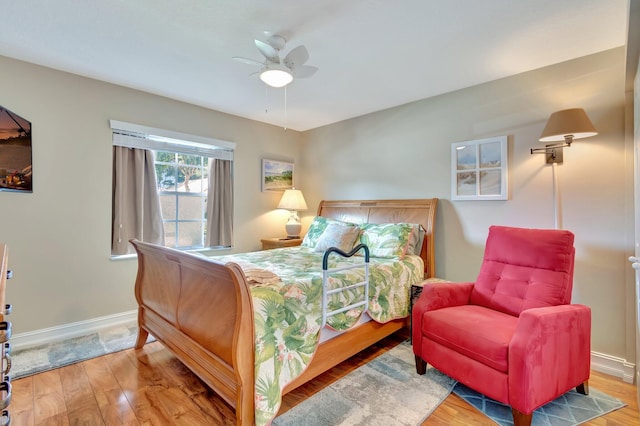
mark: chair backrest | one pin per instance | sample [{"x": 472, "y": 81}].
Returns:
[{"x": 525, "y": 268}]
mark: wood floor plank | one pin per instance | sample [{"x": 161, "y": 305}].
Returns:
[
  {"x": 79, "y": 399},
  {"x": 100, "y": 376},
  {"x": 75, "y": 385},
  {"x": 145, "y": 407},
  {"x": 214, "y": 410},
  {"x": 86, "y": 413},
  {"x": 61, "y": 419},
  {"x": 48, "y": 398},
  {"x": 47, "y": 382},
  {"x": 126, "y": 372},
  {"x": 22, "y": 395},
  {"x": 151, "y": 387},
  {"x": 22, "y": 418},
  {"x": 115, "y": 408},
  {"x": 178, "y": 407}
]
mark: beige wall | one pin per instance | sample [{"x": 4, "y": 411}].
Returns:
[
  {"x": 59, "y": 236},
  {"x": 404, "y": 152}
]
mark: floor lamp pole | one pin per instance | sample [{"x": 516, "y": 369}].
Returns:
[{"x": 557, "y": 206}]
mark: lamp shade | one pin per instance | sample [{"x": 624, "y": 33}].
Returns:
[
  {"x": 568, "y": 124},
  {"x": 276, "y": 76},
  {"x": 292, "y": 199}
]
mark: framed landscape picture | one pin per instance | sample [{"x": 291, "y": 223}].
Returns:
[
  {"x": 276, "y": 175},
  {"x": 16, "y": 170},
  {"x": 479, "y": 169}
]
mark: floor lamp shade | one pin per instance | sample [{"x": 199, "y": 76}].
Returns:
[
  {"x": 567, "y": 125},
  {"x": 293, "y": 200}
]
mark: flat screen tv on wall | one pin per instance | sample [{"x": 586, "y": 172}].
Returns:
[{"x": 16, "y": 169}]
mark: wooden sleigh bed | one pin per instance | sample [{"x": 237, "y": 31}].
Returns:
[{"x": 176, "y": 290}]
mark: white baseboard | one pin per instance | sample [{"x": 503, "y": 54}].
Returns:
[
  {"x": 68, "y": 331},
  {"x": 614, "y": 366}
]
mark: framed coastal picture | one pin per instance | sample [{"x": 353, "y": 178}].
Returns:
[
  {"x": 276, "y": 175},
  {"x": 16, "y": 171},
  {"x": 479, "y": 169}
]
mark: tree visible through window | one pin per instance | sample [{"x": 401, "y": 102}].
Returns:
[{"x": 183, "y": 182}]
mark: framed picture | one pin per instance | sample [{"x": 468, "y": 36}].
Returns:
[
  {"x": 15, "y": 153},
  {"x": 479, "y": 169},
  {"x": 276, "y": 175}
]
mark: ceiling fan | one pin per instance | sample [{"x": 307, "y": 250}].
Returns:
[{"x": 276, "y": 72}]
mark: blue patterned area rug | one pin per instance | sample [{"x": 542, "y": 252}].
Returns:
[
  {"x": 386, "y": 391},
  {"x": 46, "y": 357},
  {"x": 569, "y": 409}
]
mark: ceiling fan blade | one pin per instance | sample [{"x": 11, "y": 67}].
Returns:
[
  {"x": 248, "y": 61},
  {"x": 296, "y": 58},
  {"x": 277, "y": 42},
  {"x": 268, "y": 51},
  {"x": 305, "y": 71}
]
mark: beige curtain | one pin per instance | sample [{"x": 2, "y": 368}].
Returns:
[
  {"x": 136, "y": 204},
  {"x": 219, "y": 204}
]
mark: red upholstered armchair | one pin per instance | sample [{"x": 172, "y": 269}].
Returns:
[{"x": 513, "y": 335}]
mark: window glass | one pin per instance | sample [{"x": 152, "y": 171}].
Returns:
[{"x": 183, "y": 183}]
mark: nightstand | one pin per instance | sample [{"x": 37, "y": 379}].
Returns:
[{"x": 272, "y": 243}]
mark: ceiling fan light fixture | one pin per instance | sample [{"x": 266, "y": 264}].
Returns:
[{"x": 276, "y": 76}]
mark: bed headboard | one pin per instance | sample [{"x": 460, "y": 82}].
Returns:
[{"x": 422, "y": 211}]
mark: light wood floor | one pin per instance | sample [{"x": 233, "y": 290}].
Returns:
[{"x": 151, "y": 387}]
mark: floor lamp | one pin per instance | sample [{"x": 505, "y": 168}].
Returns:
[{"x": 561, "y": 129}]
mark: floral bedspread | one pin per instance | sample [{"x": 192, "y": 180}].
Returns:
[{"x": 288, "y": 313}]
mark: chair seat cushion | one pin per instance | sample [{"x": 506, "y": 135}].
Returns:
[{"x": 477, "y": 332}]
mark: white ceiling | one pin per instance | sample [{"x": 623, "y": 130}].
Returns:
[{"x": 371, "y": 54}]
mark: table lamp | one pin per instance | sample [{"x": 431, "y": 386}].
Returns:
[{"x": 293, "y": 201}]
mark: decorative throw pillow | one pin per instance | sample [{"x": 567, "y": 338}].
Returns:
[
  {"x": 317, "y": 227},
  {"x": 416, "y": 239},
  {"x": 338, "y": 235},
  {"x": 386, "y": 239}
]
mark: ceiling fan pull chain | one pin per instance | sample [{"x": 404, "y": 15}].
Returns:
[
  {"x": 266, "y": 99},
  {"x": 285, "y": 108}
]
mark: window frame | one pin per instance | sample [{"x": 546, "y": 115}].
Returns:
[{"x": 159, "y": 140}]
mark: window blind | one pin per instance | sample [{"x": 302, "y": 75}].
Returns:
[{"x": 135, "y": 136}]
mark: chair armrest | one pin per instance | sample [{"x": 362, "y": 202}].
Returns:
[
  {"x": 443, "y": 295},
  {"x": 437, "y": 296},
  {"x": 549, "y": 354}
]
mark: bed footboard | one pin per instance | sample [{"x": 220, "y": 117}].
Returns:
[{"x": 202, "y": 311}]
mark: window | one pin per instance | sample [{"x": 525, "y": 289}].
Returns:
[
  {"x": 163, "y": 192},
  {"x": 182, "y": 184}
]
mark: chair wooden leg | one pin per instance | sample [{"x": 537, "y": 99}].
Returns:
[
  {"x": 521, "y": 419},
  {"x": 421, "y": 365},
  {"x": 583, "y": 388}
]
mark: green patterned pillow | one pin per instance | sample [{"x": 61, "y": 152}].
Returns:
[
  {"x": 338, "y": 235},
  {"x": 386, "y": 239},
  {"x": 317, "y": 227}
]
